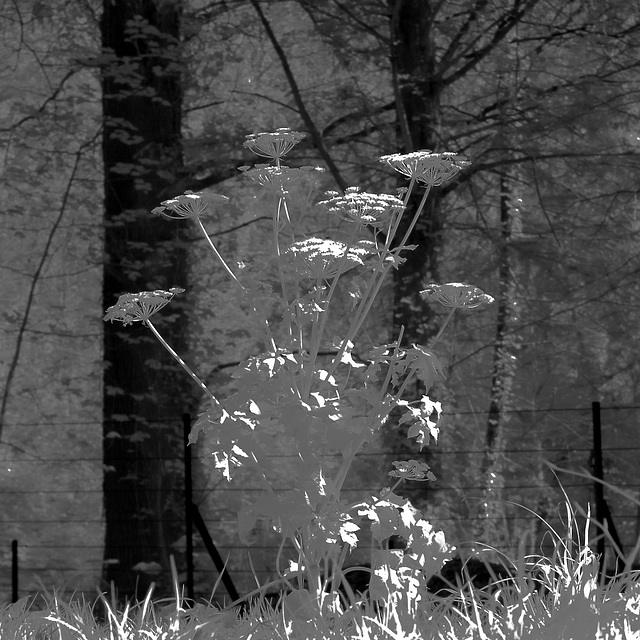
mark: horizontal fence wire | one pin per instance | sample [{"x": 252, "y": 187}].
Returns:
[
  {"x": 220, "y": 522},
  {"x": 449, "y": 412},
  {"x": 287, "y": 488},
  {"x": 373, "y": 454},
  {"x": 629, "y": 516}
]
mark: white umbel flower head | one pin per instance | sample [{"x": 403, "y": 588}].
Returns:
[
  {"x": 321, "y": 258},
  {"x": 273, "y": 144},
  {"x": 189, "y": 205},
  {"x": 427, "y": 167},
  {"x": 457, "y": 294},
  {"x": 365, "y": 208},
  {"x": 138, "y": 307},
  {"x": 283, "y": 179}
]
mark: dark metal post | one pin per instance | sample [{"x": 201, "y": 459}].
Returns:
[
  {"x": 215, "y": 555},
  {"x": 603, "y": 514},
  {"x": 598, "y": 474},
  {"x": 14, "y": 571},
  {"x": 188, "y": 500}
]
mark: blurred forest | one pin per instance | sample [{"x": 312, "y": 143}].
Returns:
[{"x": 108, "y": 107}]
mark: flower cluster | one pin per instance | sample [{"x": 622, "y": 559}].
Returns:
[
  {"x": 458, "y": 295},
  {"x": 427, "y": 167},
  {"x": 283, "y": 179},
  {"x": 411, "y": 470},
  {"x": 321, "y": 258},
  {"x": 139, "y": 307},
  {"x": 273, "y": 144},
  {"x": 365, "y": 208},
  {"x": 189, "y": 205}
]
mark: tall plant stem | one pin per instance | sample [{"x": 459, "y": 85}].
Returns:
[
  {"x": 443, "y": 327},
  {"x": 404, "y": 384},
  {"x": 387, "y": 378},
  {"x": 316, "y": 336},
  {"x": 316, "y": 333},
  {"x": 416, "y": 216},
  {"x": 393, "y": 230},
  {"x": 367, "y": 303},
  {"x": 217, "y": 254},
  {"x": 181, "y": 362}
]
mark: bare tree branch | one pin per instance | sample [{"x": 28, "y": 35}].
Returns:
[
  {"x": 35, "y": 279},
  {"x": 297, "y": 96}
]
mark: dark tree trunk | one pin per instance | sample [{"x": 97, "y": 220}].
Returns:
[
  {"x": 417, "y": 91},
  {"x": 145, "y": 393},
  {"x": 417, "y": 96}
]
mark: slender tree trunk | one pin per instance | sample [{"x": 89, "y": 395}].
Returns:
[
  {"x": 493, "y": 464},
  {"x": 142, "y": 96}
]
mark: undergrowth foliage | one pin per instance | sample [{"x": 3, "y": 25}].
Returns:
[{"x": 288, "y": 392}]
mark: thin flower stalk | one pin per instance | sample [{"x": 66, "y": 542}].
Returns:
[
  {"x": 379, "y": 273},
  {"x": 222, "y": 261},
  {"x": 283, "y": 284},
  {"x": 405, "y": 383},
  {"x": 316, "y": 340},
  {"x": 320, "y": 312},
  {"x": 181, "y": 362},
  {"x": 443, "y": 326},
  {"x": 192, "y": 205},
  {"x": 387, "y": 379},
  {"x": 393, "y": 230},
  {"x": 139, "y": 307},
  {"x": 345, "y": 466},
  {"x": 417, "y": 214}
]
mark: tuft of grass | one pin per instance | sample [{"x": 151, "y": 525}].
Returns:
[{"x": 561, "y": 596}]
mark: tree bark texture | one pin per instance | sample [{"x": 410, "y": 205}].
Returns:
[
  {"x": 503, "y": 372},
  {"x": 417, "y": 106},
  {"x": 417, "y": 94},
  {"x": 145, "y": 392}
]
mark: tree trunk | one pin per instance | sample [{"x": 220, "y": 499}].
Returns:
[
  {"x": 493, "y": 467},
  {"x": 417, "y": 94},
  {"x": 145, "y": 393}
]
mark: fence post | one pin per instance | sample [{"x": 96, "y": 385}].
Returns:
[
  {"x": 215, "y": 555},
  {"x": 14, "y": 571},
  {"x": 603, "y": 514},
  {"x": 598, "y": 474},
  {"x": 188, "y": 499}
]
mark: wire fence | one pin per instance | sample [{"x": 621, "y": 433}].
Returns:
[{"x": 47, "y": 541}]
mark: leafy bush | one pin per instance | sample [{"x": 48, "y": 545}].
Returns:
[{"x": 288, "y": 392}]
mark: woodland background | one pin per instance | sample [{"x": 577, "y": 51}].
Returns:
[{"x": 109, "y": 107}]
